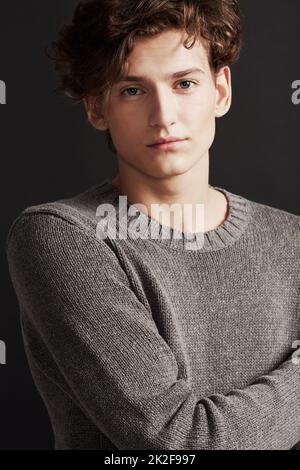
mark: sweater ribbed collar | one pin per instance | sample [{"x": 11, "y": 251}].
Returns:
[{"x": 238, "y": 217}]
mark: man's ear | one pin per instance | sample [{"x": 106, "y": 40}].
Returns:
[
  {"x": 223, "y": 91},
  {"x": 95, "y": 118}
]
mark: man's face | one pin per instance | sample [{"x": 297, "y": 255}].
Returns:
[{"x": 140, "y": 112}]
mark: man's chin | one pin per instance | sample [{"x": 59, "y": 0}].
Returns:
[{"x": 176, "y": 168}]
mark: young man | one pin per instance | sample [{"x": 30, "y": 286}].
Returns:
[
  {"x": 139, "y": 342},
  {"x": 180, "y": 100}
]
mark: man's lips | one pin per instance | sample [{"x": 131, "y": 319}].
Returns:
[
  {"x": 168, "y": 145},
  {"x": 167, "y": 141}
]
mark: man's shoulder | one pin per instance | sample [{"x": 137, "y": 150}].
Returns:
[
  {"x": 270, "y": 214},
  {"x": 275, "y": 223},
  {"x": 79, "y": 209},
  {"x": 47, "y": 218}
]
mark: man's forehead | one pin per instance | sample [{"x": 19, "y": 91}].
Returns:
[
  {"x": 168, "y": 50},
  {"x": 131, "y": 77},
  {"x": 165, "y": 47}
]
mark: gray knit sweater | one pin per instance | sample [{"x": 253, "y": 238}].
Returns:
[{"x": 140, "y": 343}]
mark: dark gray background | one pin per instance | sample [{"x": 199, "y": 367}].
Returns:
[{"x": 48, "y": 151}]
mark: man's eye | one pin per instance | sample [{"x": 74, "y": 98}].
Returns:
[
  {"x": 127, "y": 89},
  {"x": 187, "y": 81},
  {"x": 134, "y": 88}
]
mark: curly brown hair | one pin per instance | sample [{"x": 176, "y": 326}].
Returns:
[{"x": 90, "y": 53}]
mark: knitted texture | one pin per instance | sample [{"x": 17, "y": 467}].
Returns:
[{"x": 140, "y": 343}]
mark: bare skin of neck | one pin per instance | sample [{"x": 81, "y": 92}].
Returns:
[{"x": 215, "y": 212}]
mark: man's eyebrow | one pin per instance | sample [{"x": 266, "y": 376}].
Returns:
[{"x": 181, "y": 73}]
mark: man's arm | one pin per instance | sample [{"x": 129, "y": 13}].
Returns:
[{"x": 122, "y": 372}]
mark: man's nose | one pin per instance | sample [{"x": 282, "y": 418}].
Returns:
[{"x": 163, "y": 108}]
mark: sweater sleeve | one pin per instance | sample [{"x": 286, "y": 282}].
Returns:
[{"x": 121, "y": 371}]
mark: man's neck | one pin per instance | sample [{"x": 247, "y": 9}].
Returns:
[
  {"x": 215, "y": 209},
  {"x": 174, "y": 201}
]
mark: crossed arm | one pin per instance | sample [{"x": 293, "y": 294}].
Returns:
[{"x": 119, "y": 368}]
